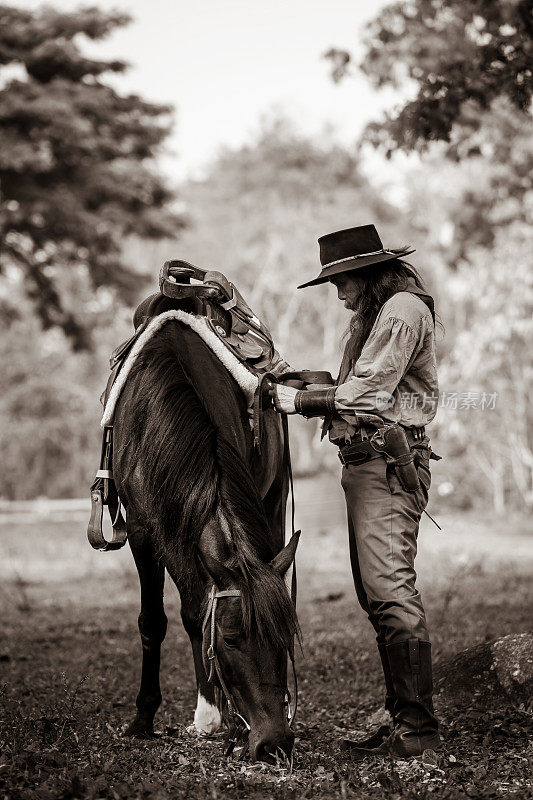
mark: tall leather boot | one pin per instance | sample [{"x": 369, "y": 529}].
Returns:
[
  {"x": 384, "y": 731},
  {"x": 415, "y": 726}
]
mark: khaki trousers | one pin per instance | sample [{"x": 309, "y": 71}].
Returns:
[{"x": 383, "y": 524}]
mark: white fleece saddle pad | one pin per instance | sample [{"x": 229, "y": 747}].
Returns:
[{"x": 245, "y": 379}]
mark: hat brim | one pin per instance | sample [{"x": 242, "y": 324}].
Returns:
[{"x": 353, "y": 264}]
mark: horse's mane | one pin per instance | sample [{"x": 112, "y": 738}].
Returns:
[{"x": 190, "y": 469}]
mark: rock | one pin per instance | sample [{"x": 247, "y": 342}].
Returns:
[
  {"x": 513, "y": 662},
  {"x": 497, "y": 672}
]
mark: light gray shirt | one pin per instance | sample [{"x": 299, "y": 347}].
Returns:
[{"x": 396, "y": 374}]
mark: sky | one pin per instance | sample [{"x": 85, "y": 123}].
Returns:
[{"x": 225, "y": 65}]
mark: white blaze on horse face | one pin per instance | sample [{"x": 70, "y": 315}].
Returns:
[{"x": 207, "y": 717}]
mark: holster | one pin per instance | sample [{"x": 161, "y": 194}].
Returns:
[{"x": 393, "y": 443}]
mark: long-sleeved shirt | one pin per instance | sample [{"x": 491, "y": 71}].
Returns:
[{"x": 396, "y": 374}]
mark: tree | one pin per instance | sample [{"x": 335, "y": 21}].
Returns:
[
  {"x": 470, "y": 64},
  {"x": 76, "y": 172},
  {"x": 459, "y": 55}
]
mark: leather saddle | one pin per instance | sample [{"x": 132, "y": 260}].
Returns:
[
  {"x": 211, "y": 296},
  {"x": 227, "y": 313}
]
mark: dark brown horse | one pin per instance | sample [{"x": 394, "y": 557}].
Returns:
[{"x": 202, "y": 504}]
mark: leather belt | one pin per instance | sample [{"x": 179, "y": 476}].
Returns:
[
  {"x": 359, "y": 451},
  {"x": 364, "y": 432}
]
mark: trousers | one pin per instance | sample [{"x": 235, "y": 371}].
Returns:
[{"x": 383, "y": 522}]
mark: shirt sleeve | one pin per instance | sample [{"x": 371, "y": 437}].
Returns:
[
  {"x": 380, "y": 367},
  {"x": 278, "y": 365}
]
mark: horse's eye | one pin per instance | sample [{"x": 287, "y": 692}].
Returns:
[{"x": 231, "y": 641}]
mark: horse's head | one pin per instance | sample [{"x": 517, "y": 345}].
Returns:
[{"x": 249, "y": 625}]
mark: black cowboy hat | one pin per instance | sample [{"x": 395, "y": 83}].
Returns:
[{"x": 353, "y": 248}]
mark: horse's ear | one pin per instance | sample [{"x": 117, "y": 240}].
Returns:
[
  {"x": 285, "y": 557},
  {"x": 221, "y": 575}
]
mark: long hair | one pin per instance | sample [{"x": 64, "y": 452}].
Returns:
[{"x": 381, "y": 282}]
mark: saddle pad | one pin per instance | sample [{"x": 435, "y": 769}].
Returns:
[{"x": 245, "y": 379}]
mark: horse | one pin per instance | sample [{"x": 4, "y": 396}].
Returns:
[{"x": 203, "y": 504}]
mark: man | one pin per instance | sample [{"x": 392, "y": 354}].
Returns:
[{"x": 376, "y": 414}]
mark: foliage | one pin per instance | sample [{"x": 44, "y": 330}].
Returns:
[
  {"x": 76, "y": 172},
  {"x": 457, "y": 55},
  {"x": 49, "y": 409},
  {"x": 498, "y": 158},
  {"x": 46, "y": 406},
  {"x": 492, "y": 350}
]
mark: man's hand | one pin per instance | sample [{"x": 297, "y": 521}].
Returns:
[{"x": 283, "y": 398}]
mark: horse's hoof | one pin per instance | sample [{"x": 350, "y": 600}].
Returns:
[
  {"x": 140, "y": 730},
  {"x": 192, "y": 730}
]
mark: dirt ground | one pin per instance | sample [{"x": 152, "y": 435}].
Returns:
[{"x": 70, "y": 658}]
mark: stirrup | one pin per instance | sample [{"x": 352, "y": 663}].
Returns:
[
  {"x": 104, "y": 493},
  {"x": 95, "y": 533}
]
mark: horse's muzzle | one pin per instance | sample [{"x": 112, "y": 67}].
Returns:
[{"x": 272, "y": 745}]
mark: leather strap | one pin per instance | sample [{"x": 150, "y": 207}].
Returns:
[
  {"x": 212, "y": 665},
  {"x": 291, "y": 712},
  {"x": 300, "y": 378},
  {"x": 414, "y": 656},
  {"x": 262, "y": 401}
]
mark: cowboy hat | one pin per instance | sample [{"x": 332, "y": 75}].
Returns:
[{"x": 353, "y": 248}]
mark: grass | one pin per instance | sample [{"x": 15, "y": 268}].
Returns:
[{"x": 70, "y": 658}]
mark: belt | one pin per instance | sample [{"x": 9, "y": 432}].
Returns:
[
  {"x": 359, "y": 451},
  {"x": 364, "y": 432}
]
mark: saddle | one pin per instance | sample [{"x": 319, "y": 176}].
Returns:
[
  {"x": 206, "y": 293},
  {"x": 213, "y": 297}
]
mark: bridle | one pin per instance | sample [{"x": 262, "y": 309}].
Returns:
[
  {"x": 212, "y": 667},
  {"x": 211, "y": 662}
]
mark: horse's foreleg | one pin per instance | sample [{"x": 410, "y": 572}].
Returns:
[
  {"x": 207, "y": 717},
  {"x": 152, "y": 627}
]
